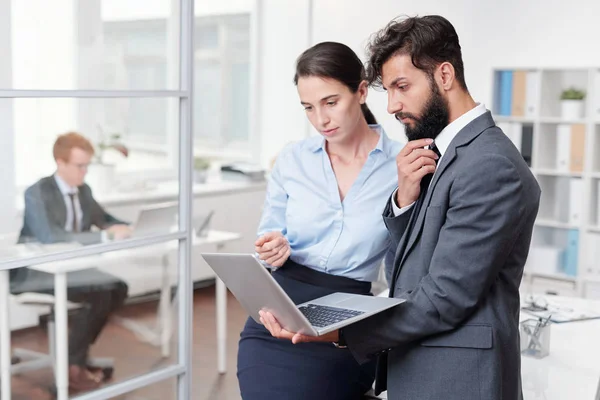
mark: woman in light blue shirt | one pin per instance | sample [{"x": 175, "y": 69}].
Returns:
[{"x": 321, "y": 230}]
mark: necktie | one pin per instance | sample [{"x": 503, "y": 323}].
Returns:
[
  {"x": 74, "y": 224},
  {"x": 425, "y": 181}
]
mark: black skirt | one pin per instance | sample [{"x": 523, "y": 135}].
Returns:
[{"x": 270, "y": 368}]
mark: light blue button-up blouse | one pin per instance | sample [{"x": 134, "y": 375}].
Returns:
[{"x": 346, "y": 238}]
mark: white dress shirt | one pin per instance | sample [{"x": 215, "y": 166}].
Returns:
[
  {"x": 66, "y": 190},
  {"x": 442, "y": 141}
]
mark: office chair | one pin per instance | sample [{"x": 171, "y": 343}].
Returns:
[{"x": 29, "y": 360}]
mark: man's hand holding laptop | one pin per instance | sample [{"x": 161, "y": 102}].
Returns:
[
  {"x": 270, "y": 322},
  {"x": 273, "y": 248}
]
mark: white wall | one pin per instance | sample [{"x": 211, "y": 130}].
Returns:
[
  {"x": 513, "y": 33},
  {"x": 119, "y": 10},
  {"x": 283, "y": 36}
]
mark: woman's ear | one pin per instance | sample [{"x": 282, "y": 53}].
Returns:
[{"x": 363, "y": 91}]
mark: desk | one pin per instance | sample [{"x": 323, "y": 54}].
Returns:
[
  {"x": 161, "y": 336},
  {"x": 572, "y": 369},
  {"x": 60, "y": 270},
  {"x": 163, "y": 191}
]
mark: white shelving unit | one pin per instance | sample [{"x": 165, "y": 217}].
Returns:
[{"x": 563, "y": 152}]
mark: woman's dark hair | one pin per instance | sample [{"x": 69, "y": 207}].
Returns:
[
  {"x": 336, "y": 61},
  {"x": 429, "y": 41}
]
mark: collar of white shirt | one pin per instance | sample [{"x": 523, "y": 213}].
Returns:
[
  {"x": 64, "y": 187},
  {"x": 442, "y": 141}
]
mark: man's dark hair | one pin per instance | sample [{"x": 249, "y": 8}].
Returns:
[{"x": 429, "y": 41}]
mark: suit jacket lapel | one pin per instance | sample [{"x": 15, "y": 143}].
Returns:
[
  {"x": 56, "y": 201},
  {"x": 464, "y": 136},
  {"x": 85, "y": 202}
]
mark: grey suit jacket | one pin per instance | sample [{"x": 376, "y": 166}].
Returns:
[
  {"x": 46, "y": 215},
  {"x": 456, "y": 336}
]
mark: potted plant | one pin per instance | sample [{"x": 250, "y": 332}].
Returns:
[
  {"x": 571, "y": 103},
  {"x": 201, "y": 166},
  {"x": 101, "y": 174}
]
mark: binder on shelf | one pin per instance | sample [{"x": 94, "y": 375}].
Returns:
[
  {"x": 545, "y": 259},
  {"x": 597, "y": 205},
  {"x": 577, "y": 147},
  {"x": 506, "y": 83},
  {"x": 532, "y": 91},
  {"x": 570, "y": 258},
  {"x": 513, "y": 131},
  {"x": 596, "y": 109},
  {"x": 519, "y": 88},
  {"x": 563, "y": 147},
  {"x": 593, "y": 255},
  {"x": 575, "y": 200},
  {"x": 562, "y": 199},
  {"x": 527, "y": 143}
]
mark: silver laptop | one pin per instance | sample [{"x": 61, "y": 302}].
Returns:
[
  {"x": 156, "y": 218},
  {"x": 254, "y": 287}
]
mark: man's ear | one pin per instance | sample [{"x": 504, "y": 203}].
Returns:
[{"x": 447, "y": 75}]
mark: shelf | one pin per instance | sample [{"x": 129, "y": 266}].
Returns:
[
  {"x": 564, "y": 152},
  {"x": 592, "y": 279},
  {"x": 555, "y": 224},
  {"x": 560, "y": 120},
  {"x": 553, "y": 172},
  {"x": 508, "y": 118},
  {"x": 549, "y": 275}
]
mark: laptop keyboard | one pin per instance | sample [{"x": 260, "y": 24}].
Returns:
[{"x": 322, "y": 316}]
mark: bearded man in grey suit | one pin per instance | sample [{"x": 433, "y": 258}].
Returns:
[
  {"x": 61, "y": 208},
  {"x": 461, "y": 222}
]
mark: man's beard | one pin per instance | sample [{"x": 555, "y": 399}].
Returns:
[{"x": 434, "y": 119}]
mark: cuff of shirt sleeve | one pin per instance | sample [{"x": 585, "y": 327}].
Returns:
[{"x": 399, "y": 210}]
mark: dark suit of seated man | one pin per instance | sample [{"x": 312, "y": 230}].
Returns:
[{"x": 61, "y": 208}]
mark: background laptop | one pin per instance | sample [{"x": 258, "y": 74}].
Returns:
[
  {"x": 156, "y": 218},
  {"x": 254, "y": 287},
  {"x": 202, "y": 224}
]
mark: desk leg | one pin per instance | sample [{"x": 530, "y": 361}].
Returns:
[
  {"x": 61, "y": 336},
  {"x": 221, "y": 301},
  {"x": 5, "y": 349},
  {"x": 165, "y": 321}
]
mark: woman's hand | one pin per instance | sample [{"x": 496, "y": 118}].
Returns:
[{"x": 273, "y": 248}]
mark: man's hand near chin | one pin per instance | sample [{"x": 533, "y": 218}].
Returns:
[{"x": 269, "y": 321}]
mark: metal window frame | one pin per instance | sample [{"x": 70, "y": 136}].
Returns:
[{"x": 182, "y": 369}]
